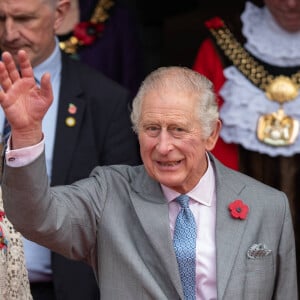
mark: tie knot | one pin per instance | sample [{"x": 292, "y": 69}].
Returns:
[{"x": 183, "y": 200}]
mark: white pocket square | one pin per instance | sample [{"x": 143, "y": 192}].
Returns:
[{"x": 258, "y": 251}]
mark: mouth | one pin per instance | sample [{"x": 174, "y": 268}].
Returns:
[
  {"x": 11, "y": 50},
  {"x": 11, "y": 47},
  {"x": 169, "y": 164}
]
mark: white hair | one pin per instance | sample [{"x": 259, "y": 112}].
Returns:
[{"x": 184, "y": 80}]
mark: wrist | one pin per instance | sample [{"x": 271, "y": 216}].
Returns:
[{"x": 22, "y": 139}]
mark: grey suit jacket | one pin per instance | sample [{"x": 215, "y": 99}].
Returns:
[{"x": 117, "y": 221}]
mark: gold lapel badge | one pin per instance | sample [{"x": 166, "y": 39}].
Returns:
[{"x": 70, "y": 121}]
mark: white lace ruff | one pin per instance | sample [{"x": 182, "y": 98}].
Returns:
[
  {"x": 14, "y": 283},
  {"x": 268, "y": 41},
  {"x": 244, "y": 103}
]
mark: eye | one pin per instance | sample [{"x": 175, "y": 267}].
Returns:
[
  {"x": 152, "y": 130},
  {"x": 22, "y": 19},
  {"x": 177, "y": 131}
]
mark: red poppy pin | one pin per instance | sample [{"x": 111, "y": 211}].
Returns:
[
  {"x": 214, "y": 23},
  {"x": 238, "y": 209},
  {"x": 72, "y": 109}
]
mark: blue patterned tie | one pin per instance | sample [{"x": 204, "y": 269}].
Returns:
[{"x": 185, "y": 234}]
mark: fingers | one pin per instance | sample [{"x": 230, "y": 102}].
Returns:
[
  {"x": 9, "y": 72},
  {"x": 46, "y": 88},
  {"x": 5, "y": 81},
  {"x": 25, "y": 65},
  {"x": 2, "y": 97},
  {"x": 12, "y": 71}
]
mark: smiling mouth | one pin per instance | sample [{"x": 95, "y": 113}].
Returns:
[{"x": 169, "y": 163}]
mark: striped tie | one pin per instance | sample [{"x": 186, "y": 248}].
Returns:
[{"x": 184, "y": 241}]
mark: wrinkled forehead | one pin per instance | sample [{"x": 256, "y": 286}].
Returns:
[
  {"x": 168, "y": 102},
  {"x": 19, "y": 6}
]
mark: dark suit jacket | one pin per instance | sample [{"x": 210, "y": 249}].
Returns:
[
  {"x": 102, "y": 135},
  {"x": 118, "y": 222}
]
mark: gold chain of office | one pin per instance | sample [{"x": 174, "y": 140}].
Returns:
[
  {"x": 100, "y": 15},
  {"x": 276, "y": 128},
  {"x": 277, "y": 88}
]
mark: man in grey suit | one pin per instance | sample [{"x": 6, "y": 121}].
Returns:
[{"x": 124, "y": 220}]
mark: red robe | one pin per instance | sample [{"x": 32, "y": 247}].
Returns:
[{"x": 209, "y": 64}]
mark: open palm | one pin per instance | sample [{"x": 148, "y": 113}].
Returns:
[{"x": 24, "y": 103}]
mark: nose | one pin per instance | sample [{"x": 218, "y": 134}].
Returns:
[
  {"x": 165, "y": 144},
  {"x": 10, "y": 30}
]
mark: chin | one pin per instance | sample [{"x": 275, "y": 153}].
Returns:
[{"x": 171, "y": 183}]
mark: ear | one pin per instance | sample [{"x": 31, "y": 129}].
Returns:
[
  {"x": 61, "y": 10},
  {"x": 212, "y": 139}
]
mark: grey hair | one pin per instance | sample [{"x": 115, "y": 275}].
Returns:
[{"x": 184, "y": 80}]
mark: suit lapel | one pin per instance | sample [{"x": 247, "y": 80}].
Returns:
[
  {"x": 229, "y": 231},
  {"x": 66, "y": 136},
  {"x": 152, "y": 210}
]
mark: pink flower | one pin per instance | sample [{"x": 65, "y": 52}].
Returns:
[{"x": 238, "y": 209}]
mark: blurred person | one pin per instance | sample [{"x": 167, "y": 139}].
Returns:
[
  {"x": 106, "y": 35},
  {"x": 87, "y": 125},
  {"x": 253, "y": 59},
  {"x": 180, "y": 226},
  {"x": 14, "y": 283}
]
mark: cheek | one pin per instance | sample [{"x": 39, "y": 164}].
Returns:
[
  {"x": 146, "y": 143},
  {"x": 146, "y": 152},
  {"x": 40, "y": 30},
  {"x": 193, "y": 147}
]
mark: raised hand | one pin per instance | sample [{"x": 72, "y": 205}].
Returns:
[{"x": 23, "y": 101}]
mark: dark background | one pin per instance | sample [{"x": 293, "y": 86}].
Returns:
[{"x": 171, "y": 31}]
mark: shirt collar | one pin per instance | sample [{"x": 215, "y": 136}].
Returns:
[
  {"x": 203, "y": 192},
  {"x": 51, "y": 65}
]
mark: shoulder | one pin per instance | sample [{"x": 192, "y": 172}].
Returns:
[
  {"x": 267, "y": 205},
  {"x": 243, "y": 184}
]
